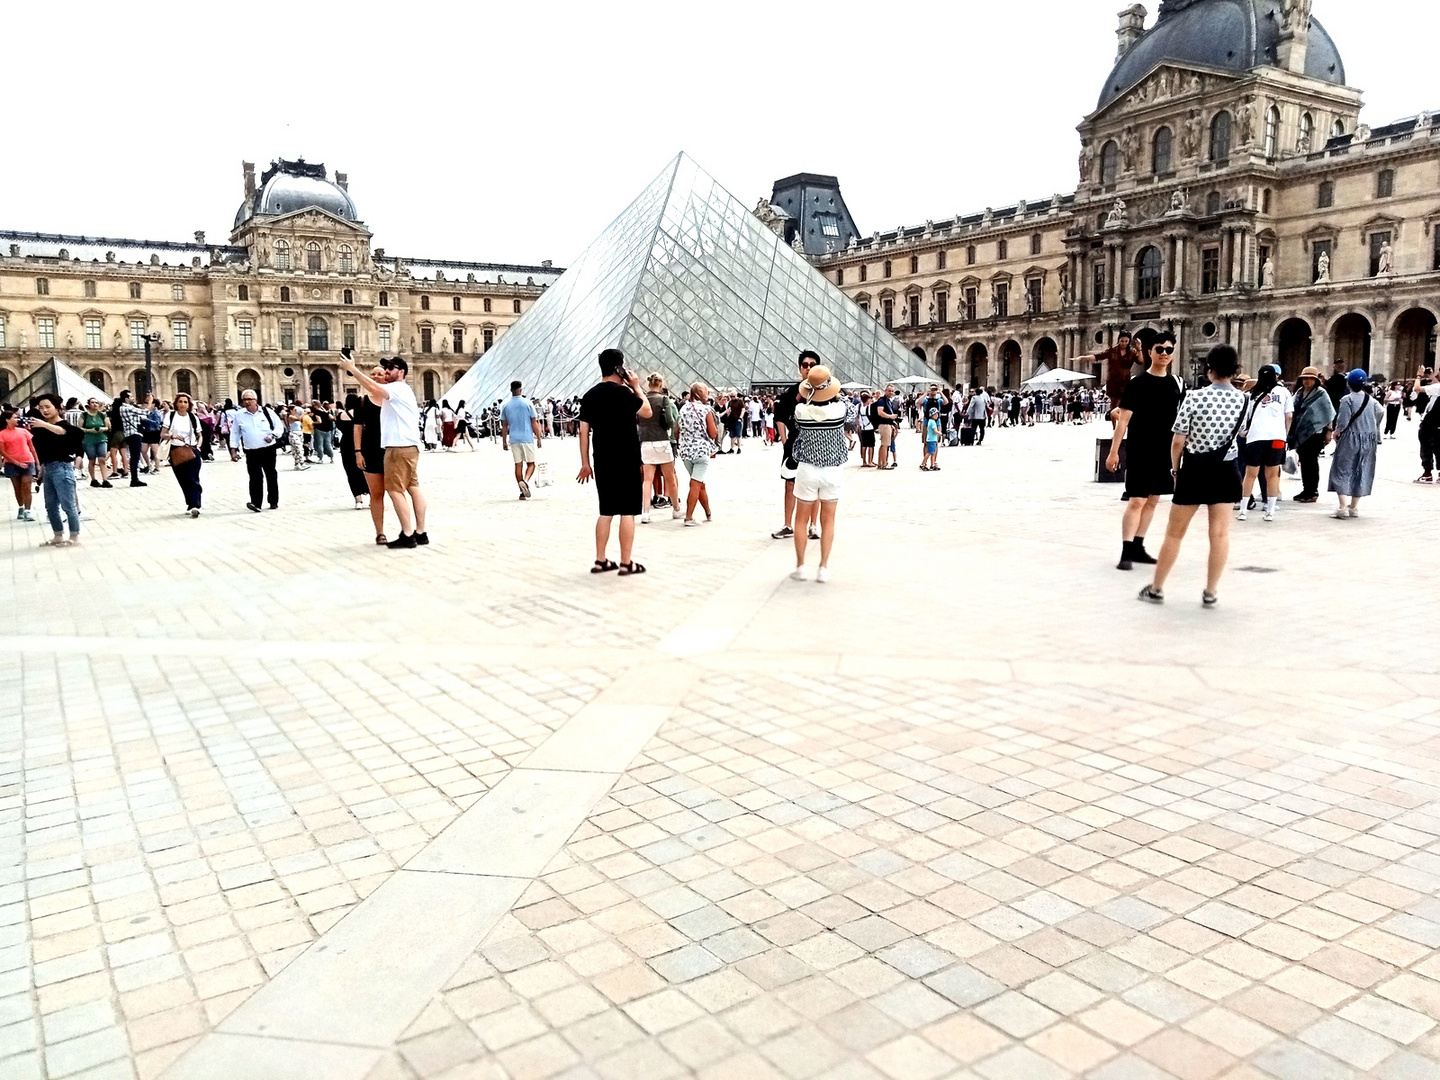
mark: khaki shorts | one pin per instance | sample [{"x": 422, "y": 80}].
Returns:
[
  {"x": 402, "y": 468},
  {"x": 522, "y": 452}
]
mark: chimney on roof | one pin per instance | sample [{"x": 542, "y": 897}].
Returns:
[
  {"x": 1294, "y": 41},
  {"x": 343, "y": 180},
  {"x": 249, "y": 169},
  {"x": 200, "y": 237},
  {"x": 1132, "y": 25}
]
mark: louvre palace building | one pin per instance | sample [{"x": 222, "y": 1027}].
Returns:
[
  {"x": 269, "y": 310},
  {"x": 1228, "y": 190}
]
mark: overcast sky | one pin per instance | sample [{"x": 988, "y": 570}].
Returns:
[{"x": 515, "y": 132}]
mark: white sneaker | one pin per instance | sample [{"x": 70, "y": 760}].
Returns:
[
  {"x": 676, "y": 515},
  {"x": 1241, "y": 514},
  {"x": 1269, "y": 515},
  {"x": 644, "y": 519},
  {"x": 822, "y": 575},
  {"x": 1341, "y": 513},
  {"x": 691, "y": 522},
  {"x": 799, "y": 574}
]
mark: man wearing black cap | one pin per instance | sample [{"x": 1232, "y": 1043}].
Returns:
[{"x": 400, "y": 438}]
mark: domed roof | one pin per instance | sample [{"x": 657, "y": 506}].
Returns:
[
  {"x": 1232, "y": 35},
  {"x": 288, "y": 186}
]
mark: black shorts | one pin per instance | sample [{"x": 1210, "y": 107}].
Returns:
[
  {"x": 867, "y": 439},
  {"x": 1147, "y": 476},
  {"x": 150, "y": 438},
  {"x": 619, "y": 488},
  {"x": 1262, "y": 455},
  {"x": 1203, "y": 481}
]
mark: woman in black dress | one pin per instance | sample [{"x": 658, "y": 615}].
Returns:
[{"x": 345, "y": 424}]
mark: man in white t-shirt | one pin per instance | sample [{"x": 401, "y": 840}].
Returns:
[
  {"x": 1427, "y": 400},
  {"x": 400, "y": 437}
]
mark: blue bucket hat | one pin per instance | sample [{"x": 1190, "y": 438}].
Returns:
[{"x": 1358, "y": 377}]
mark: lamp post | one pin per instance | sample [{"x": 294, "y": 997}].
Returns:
[{"x": 149, "y": 339}]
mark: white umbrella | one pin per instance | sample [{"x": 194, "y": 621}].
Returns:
[
  {"x": 854, "y": 386},
  {"x": 911, "y": 380},
  {"x": 1058, "y": 377}
]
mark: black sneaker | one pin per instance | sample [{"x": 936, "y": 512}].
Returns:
[
  {"x": 782, "y": 534},
  {"x": 404, "y": 540},
  {"x": 106, "y": 483},
  {"x": 252, "y": 506},
  {"x": 812, "y": 534},
  {"x": 1140, "y": 555},
  {"x": 1150, "y": 596},
  {"x": 138, "y": 483},
  {"x": 94, "y": 483},
  {"x": 421, "y": 539}
]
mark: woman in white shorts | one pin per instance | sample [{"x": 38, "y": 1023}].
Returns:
[
  {"x": 655, "y": 450},
  {"x": 820, "y": 454}
]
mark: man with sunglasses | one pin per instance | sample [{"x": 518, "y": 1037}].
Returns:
[
  {"x": 786, "y": 432},
  {"x": 1146, "y": 415}
]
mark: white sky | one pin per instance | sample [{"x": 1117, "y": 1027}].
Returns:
[{"x": 516, "y": 131}]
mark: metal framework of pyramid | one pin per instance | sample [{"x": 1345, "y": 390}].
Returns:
[{"x": 689, "y": 283}]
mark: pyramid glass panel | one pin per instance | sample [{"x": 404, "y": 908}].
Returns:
[{"x": 689, "y": 283}]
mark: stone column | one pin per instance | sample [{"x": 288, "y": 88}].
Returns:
[
  {"x": 1122, "y": 278},
  {"x": 1181, "y": 259}
]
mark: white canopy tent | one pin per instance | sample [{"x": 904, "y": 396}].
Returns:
[{"x": 1056, "y": 378}]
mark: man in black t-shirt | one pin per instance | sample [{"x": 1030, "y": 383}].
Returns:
[
  {"x": 1146, "y": 414},
  {"x": 610, "y": 409},
  {"x": 786, "y": 432}
]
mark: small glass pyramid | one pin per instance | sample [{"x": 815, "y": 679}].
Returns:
[{"x": 689, "y": 283}]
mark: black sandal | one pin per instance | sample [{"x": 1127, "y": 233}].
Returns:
[
  {"x": 603, "y": 565},
  {"x": 380, "y": 539},
  {"x": 626, "y": 569}
]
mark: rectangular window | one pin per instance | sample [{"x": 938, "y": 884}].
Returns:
[
  {"x": 517, "y": 306},
  {"x": 137, "y": 333},
  {"x": 489, "y": 338},
  {"x": 1002, "y": 249},
  {"x": 1210, "y": 270},
  {"x": 940, "y": 260},
  {"x": 42, "y": 286},
  {"x": 246, "y": 329},
  {"x": 1033, "y": 294},
  {"x": 971, "y": 297},
  {"x": 1325, "y": 194},
  {"x": 287, "y": 334},
  {"x": 90, "y": 290},
  {"x": 942, "y": 306},
  {"x": 1002, "y": 299},
  {"x": 1318, "y": 248},
  {"x": 347, "y": 335},
  {"x": 914, "y": 264},
  {"x": 244, "y": 292},
  {"x": 134, "y": 290},
  {"x": 455, "y": 303},
  {"x": 913, "y": 306},
  {"x": 46, "y": 329},
  {"x": 1035, "y": 243},
  {"x": 1385, "y": 184},
  {"x": 1097, "y": 283},
  {"x": 179, "y": 334},
  {"x": 177, "y": 292},
  {"x": 829, "y": 225},
  {"x": 865, "y": 306},
  {"x": 2, "y": 332},
  {"x": 457, "y": 340},
  {"x": 888, "y": 268},
  {"x": 1435, "y": 266},
  {"x": 864, "y": 272},
  {"x": 889, "y": 307},
  {"x": 487, "y": 303},
  {"x": 840, "y": 276},
  {"x": 970, "y": 255},
  {"x": 427, "y": 338},
  {"x": 92, "y": 333},
  {"x": 384, "y": 337},
  {"x": 1377, "y": 241}
]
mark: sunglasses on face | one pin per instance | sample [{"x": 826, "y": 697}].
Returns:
[{"x": 1167, "y": 349}]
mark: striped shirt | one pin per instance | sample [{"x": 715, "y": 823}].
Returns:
[{"x": 820, "y": 438}]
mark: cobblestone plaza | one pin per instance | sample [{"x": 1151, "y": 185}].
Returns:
[{"x": 276, "y": 804}]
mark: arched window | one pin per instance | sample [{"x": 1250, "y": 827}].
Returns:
[
  {"x": 346, "y": 259},
  {"x": 282, "y": 255},
  {"x": 428, "y": 383},
  {"x": 424, "y": 303},
  {"x": 284, "y": 294},
  {"x": 1338, "y": 128},
  {"x": 1160, "y": 151},
  {"x": 384, "y": 298},
  {"x": 1147, "y": 274},
  {"x": 318, "y": 335},
  {"x": 455, "y": 303},
  {"x": 1272, "y": 131},
  {"x": 348, "y": 296},
  {"x": 1110, "y": 163},
  {"x": 97, "y": 379},
  {"x": 1212, "y": 203},
  {"x": 312, "y": 256},
  {"x": 517, "y": 305},
  {"x": 914, "y": 264},
  {"x": 889, "y": 268},
  {"x": 1307, "y": 133},
  {"x": 184, "y": 380},
  {"x": 1220, "y": 137}
]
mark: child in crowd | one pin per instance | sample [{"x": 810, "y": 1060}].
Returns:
[{"x": 932, "y": 442}]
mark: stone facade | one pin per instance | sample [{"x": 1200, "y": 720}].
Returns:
[
  {"x": 269, "y": 310},
  {"x": 1210, "y": 201}
]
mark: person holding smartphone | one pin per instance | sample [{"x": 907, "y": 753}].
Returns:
[
  {"x": 610, "y": 410},
  {"x": 400, "y": 438},
  {"x": 17, "y": 459}
]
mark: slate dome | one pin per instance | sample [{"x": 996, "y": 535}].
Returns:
[
  {"x": 1230, "y": 35},
  {"x": 287, "y": 186}
]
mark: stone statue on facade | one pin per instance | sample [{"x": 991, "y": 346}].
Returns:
[
  {"x": 932, "y": 314},
  {"x": 1087, "y": 162},
  {"x": 929, "y": 227},
  {"x": 853, "y": 244},
  {"x": 987, "y": 218},
  {"x": 1118, "y": 214},
  {"x": 1190, "y": 136},
  {"x": 1422, "y": 124},
  {"x": 1322, "y": 269},
  {"x": 798, "y": 244},
  {"x": 1021, "y": 209},
  {"x": 1180, "y": 201},
  {"x": 1362, "y": 134},
  {"x": 118, "y": 339},
  {"x": 1385, "y": 263},
  {"x": 202, "y": 343},
  {"x": 25, "y": 341},
  {"x": 1294, "y": 15},
  {"x": 1302, "y": 142},
  {"x": 1030, "y": 303},
  {"x": 1129, "y": 143},
  {"x": 771, "y": 218},
  {"x": 1267, "y": 274},
  {"x": 1246, "y": 116},
  {"x": 69, "y": 339}
]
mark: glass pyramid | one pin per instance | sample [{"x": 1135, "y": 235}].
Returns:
[{"x": 689, "y": 283}]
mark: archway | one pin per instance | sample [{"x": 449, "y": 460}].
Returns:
[
  {"x": 97, "y": 379},
  {"x": 946, "y": 359},
  {"x": 139, "y": 385},
  {"x": 1292, "y": 348},
  {"x": 1350, "y": 341},
  {"x": 7, "y": 380},
  {"x": 429, "y": 385},
  {"x": 1010, "y": 364},
  {"x": 1046, "y": 352},
  {"x": 918, "y": 351},
  {"x": 246, "y": 379},
  {"x": 322, "y": 385},
  {"x": 978, "y": 359},
  {"x": 184, "y": 380},
  {"x": 1414, "y": 343}
]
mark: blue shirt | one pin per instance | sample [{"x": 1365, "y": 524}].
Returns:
[{"x": 517, "y": 414}]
